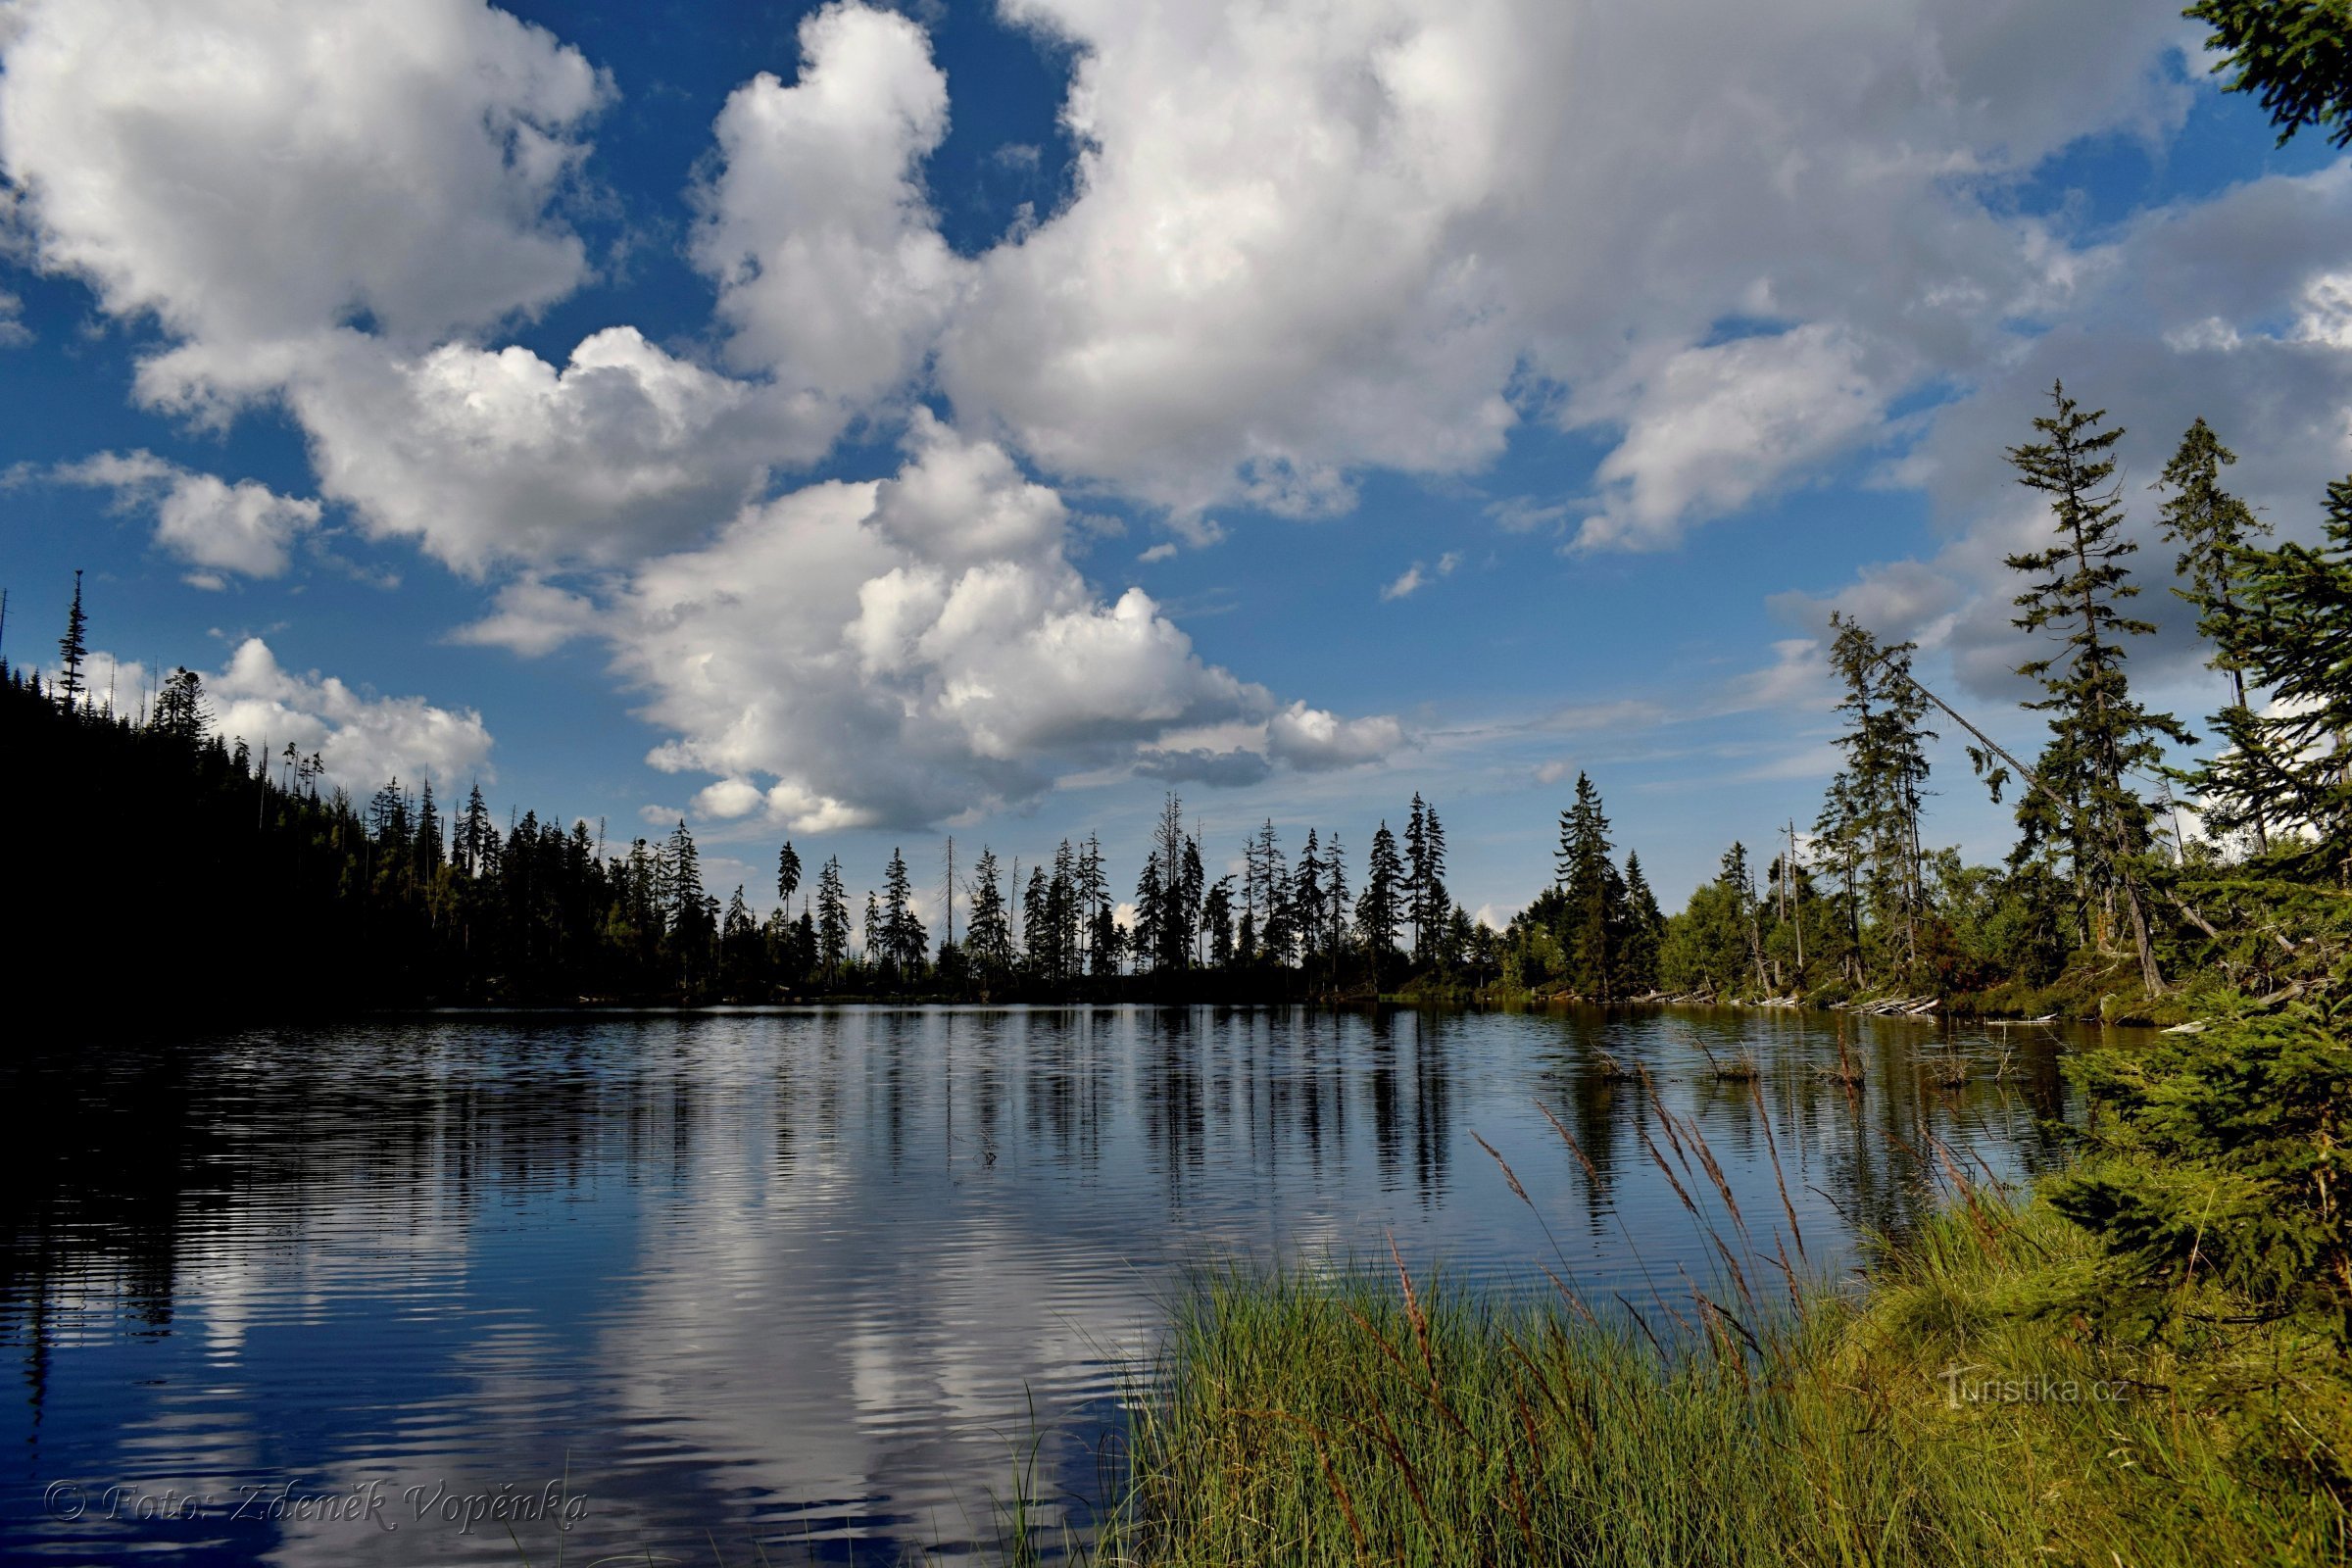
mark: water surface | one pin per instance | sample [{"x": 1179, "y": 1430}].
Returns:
[{"x": 818, "y": 1280}]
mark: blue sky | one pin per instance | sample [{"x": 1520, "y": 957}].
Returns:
[{"x": 861, "y": 425}]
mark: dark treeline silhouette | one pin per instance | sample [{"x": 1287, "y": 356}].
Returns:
[{"x": 193, "y": 872}]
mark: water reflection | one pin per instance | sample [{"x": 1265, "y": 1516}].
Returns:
[{"x": 797, "y": 1277}]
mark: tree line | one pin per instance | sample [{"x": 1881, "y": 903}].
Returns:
[
  {"x": 241, "y": 854},
  {"x": 2132, "y": 872},
  {"x": 261, "y": 877}
]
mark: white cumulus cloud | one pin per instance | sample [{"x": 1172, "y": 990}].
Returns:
[
  {"x": 254, "y": 171},
  {"x": 1312, "y": 740},
  {"x": 905, "y": 650},
  {"x": 210, "y": 523},
  {"x": 364, "y": 740},
  {"x": 831, "y": 269}
]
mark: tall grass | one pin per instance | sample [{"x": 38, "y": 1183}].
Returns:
[{"x": 1956, "y": 1411}]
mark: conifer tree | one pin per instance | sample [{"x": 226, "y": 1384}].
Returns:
[
  {"x": 1741, "y": 883},
  {"x": 988, "y": 931},
  {"x": 1107, "y": 941},
  {"x": 903, "y": 939},
  {"x": 1176, "y": 868},
  {"x": 1190, "y": 892},
  {"x": 475, "y": 831},
  {"x": 2099, "y": 734},
  {"x": 1380, "y": 910},
  {"x": 1094, "y": 895},
  {"x": 1278, "y": 936},
  {"x": 1870, "y": 818},
  {"x": 2294, "y": 766},
  {"x": 2295, "y": 54},
  {"x": 1336, "y": 904},
  {"x": 1150, "y": 916},
  {"x": 2215, "y": 530},
  {"x": 685, "y": 882},
  {"x": 832, "y": 918},
  {"x": 179, "y": 710},
  {"x": 71, "y": 648},
  {"x": 1594, "y": 911},
  {"x": 1436, "y": 904},
  {"x": 1306, "y": 900},
  {"x": 1216, "y": 921},
  {"x": 430, "y": 849},
  {"x": 1062, "y": 913},
  {"x": 1036, "y": 925},
  {"x": 1645, "y": 932},
  {"x": 1417, "y": 873},
  {"x": 788, "y": 873}
]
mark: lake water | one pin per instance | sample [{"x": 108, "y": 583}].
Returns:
[{"x": 814, "y": 1281}]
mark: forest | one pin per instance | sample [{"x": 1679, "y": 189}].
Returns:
[{"x": 153, "y": 851}]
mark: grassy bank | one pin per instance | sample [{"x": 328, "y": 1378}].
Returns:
[
  {"x": 1955, "y": 1415},
  {"x": 2143, "y": 1363}
]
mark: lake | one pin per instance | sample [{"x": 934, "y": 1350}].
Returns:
[{"x": 820, "y": 1281}]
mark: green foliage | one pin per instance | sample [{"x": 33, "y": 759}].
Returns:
[
  {"x": 2297, "y": 53},
  {"x": 1595, "y": 916},
  {"x": 1867, "y": 836},
  {"x": 2221, "y": 1156},
  {"x": 1707, "y": 944},
  {"x": 2292, "y": 767},
  {"x": 1297, "y": 1420},
  {"x": 2085, "y": 810}
]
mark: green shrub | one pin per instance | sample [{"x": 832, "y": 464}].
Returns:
[{"x": 2220, "y": 1156}]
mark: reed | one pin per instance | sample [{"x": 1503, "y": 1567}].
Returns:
[{"x": 1952, "y": 1410}]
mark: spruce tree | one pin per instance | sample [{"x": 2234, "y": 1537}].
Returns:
[
  {"x": 2295, "y": 54},
  {"x": 832, "y": 919},
  {"x": 1645, "y": 931},
  {"x": 1150, "y": 916},
  {"x": 1306, "y": 900},
  {"x": 685, "y": 882},
  {"x": 904, "y": 939},
  {"x": 788, "y": 873},
  {"x": 1336, "y": 904},
  {"x": 2294, "y": 766},
  {"x": 1593, "y": 913},
  {"x": 1436, "y": 904},
  {"x": 429, "y": 848},
  {"x": 1094, "y": 896},
  {"x": 179, "y": 710},
  {"x": 988, "y": 930},
  {"x": 1416, "y": 873},
  {"x": 1380, "y": 910},
  {"x": 1739, "y": 883},
  {"x": 1189, "y": 891},
  {"x": 2099, "y": 734},
  {"x": 475, "y": 831},
  {"x": 2214, "y": 529},
  {"x": 1870, "y": 819},
  {"x": 1062, "y": 913},
  {"x": 71, "y": 648},
  {"x": 1216, "y": 921}
]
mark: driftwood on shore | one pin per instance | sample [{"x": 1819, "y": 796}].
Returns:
[{"x": 1894, "y": 1006}]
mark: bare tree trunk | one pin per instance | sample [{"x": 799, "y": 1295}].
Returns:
[{"x": 2149, "y": 975}]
